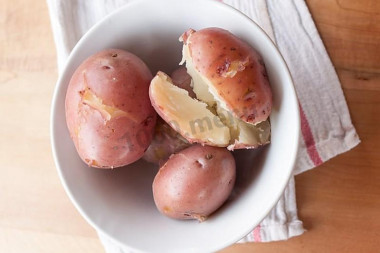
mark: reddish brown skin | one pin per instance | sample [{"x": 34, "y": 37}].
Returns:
[
  {"x": 212, "y": 51},
  {"x": 119, "y": 141},
  {"x": 182, "y": 79},
  {"x": 179, "y": 183}
]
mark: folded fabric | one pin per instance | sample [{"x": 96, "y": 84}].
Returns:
[{"x": 325, "y": 121}]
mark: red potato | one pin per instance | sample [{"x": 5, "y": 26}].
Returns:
[
  {"x": 229, "y": 71},
  {"x": 195, "y": 182},
  {"x": 233, "y": 100},
  {"x": 108, "y": 112}
]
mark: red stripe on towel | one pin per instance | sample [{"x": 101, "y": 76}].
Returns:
[
  {"x": 309, "y": 140},
  {"x": 257, "y": 234}
]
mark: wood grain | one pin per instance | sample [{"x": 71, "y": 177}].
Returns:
[
  {"x": 35, "y": 213},
  {"x": 338, "y": 202}
]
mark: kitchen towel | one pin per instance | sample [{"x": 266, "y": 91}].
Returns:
[{"x": 325, "y": 120}]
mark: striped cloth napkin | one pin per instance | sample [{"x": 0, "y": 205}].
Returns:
[{"x": 325, "y": 120}]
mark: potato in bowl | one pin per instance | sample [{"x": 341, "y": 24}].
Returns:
[
  {"x": 108, "y": 112},
  {"x": 233, "y": 96}
]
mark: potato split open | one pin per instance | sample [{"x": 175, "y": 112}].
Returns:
[
  {"x": 231, "y": 70},
  {"x": 233, "y": 96},
  {"x": 188, "y": 116}
]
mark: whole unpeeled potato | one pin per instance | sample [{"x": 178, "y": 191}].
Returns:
[
  {"x": 194, "y": 182},
  {"x": 108, "y": 111}
]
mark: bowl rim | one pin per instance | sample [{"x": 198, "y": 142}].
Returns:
[{"x": 55, "y": 105}]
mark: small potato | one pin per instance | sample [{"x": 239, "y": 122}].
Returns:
[
  {"x": 108, "y": 112},
  {"x": 166, "y": 141},
  {"x": 226, "y": 102},
  {"x": 195, "y": 182}
]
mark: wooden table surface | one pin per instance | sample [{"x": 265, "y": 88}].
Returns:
[{"x": 339, "y": 202}]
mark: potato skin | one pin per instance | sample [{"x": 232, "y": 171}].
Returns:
[
  {"x": 235, "y": 69},
  {"x": 182, "y": 79},
  {"x": 195, "y": 182},
  {"x": 108, "y": 111}
]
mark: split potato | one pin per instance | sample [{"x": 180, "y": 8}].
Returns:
[
  {"x": 166, "y": 140},
  {"x": 195, "y": 182},
  {"x": 232, "y": 99},
  {"x": 185, "y": 114},
  {"x": 227, "y": 72},
  {"x": 108, "y": 111}
]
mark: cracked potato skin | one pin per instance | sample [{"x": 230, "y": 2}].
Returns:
[
  {"x": 235, "y": 70},
  {"x": 195, "y": 182},
  {"x": 108, "y": 111}
]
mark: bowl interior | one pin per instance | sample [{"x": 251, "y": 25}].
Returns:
[{"x": 119, "y": 202}]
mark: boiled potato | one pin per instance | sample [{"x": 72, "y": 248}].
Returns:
[
  {"x": 227, "y": 72},
  {"x": 108, "y": 112},
  {"x": 233, "y": 98},
  {"x": 195, "y": 182},
  {"x": 224, "y": 113}
]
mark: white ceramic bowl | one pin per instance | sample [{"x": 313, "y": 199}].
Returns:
[{"x": 119, "y": 202}]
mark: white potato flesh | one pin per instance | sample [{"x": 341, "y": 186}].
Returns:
[
  {"x": 188, "y": 116},
  {"x": 243, "y": 134},
  {"x": 199, "y": 85}
]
